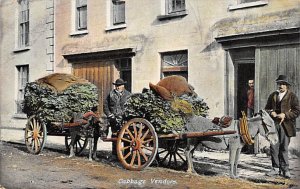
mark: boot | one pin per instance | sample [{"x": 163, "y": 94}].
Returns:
[
  {"x": 273, "y": 172},
  {"x": 287, "y": 174}
]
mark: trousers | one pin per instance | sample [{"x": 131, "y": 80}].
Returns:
[{"x": 279, "y": 151}]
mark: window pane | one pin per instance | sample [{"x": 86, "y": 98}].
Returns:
[
  {"x": 118, "y": 12},
  {"x": 82, "y": 17},
  {"x": 26, "y": 34},
  {"x": 23, "y": 23},
  {"x": 179, "y": 59},
  {"x": 23, "y": 73},
  {"x": 176, "y": 5},
  {"x": 81, "y": 3},
  {"x": 175, "y": 63},
  {"x": 247, "y": 1}
]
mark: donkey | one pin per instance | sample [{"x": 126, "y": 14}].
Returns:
[
  {"x": 90, "y": 127},
  {"x": 261, "y": 123}
]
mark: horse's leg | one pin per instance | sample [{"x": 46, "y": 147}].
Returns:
[
  {"x": 96, "y": 137},
  {"x": 237, "y": 158},
  {"x": 73, "y": 138},
  {"x": 189, "y": 158},
  {"x": 232, "y": 155},
  {"x": 90, "y": 147}
]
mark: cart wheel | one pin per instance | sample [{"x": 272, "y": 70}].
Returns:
[
  {"x": 35, "y": 135},
  {"x": 80, "y": 144},
  {"x": 171, "y": 153},
  {"x": 137, "y": 144}
]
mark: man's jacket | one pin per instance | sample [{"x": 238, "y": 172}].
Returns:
[
  {"x": 114, "y": 103},
  {"x": 289, "y": 106}
]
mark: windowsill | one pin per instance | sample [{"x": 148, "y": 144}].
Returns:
[
  {"x": 79, "y": 32},
  {"x": 172, "y": 15},
  {"x": 115, "y": 27},
  {"x": 21, "y": 49},
  {"x": 247, "y": 5},
  {"x": 20, "y": 116}
]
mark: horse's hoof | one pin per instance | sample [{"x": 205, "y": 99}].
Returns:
[
  {"x": 90, "y": 159},
  {"x": 191, "y": 171},
  {"x": 234, "y": 176}
]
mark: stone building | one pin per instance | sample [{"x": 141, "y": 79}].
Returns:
[
  {"x": 217, "y": 45},
  {"x": 26, "y": 53}
]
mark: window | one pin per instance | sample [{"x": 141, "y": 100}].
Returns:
[
  {"x": 118, "y": 8},
  {"x": 247, "y": 1},
  {"x": 81, "y": 14},
  {"x": 174, "y": 6},
  {"x": 23, "y": 23},
  {"x": 175, "y": 63},
  {"x": 23, "y": 73},
  {"x": 242, "y": 4},
  {"x": 124, "y": 67}
]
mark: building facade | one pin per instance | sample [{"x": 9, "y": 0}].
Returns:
[
  {"x": 217, "y": 45},
  {"x": 26, "y": 53}
]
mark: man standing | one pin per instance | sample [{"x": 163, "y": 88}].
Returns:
[
  {"x": 250, "y": 98},
  {"x": 283, "y": 106},
  {"x": 113, "y": 109}
]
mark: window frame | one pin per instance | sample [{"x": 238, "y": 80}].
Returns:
[
  {"x": 243, "y": 5},
  {"x": 118, "y": 17},
  {"x": 81, "y": 9},
  {"x": 172, "y": 3},
  {"x": 176, "y": 68},
  {"x": 23, "y": 79},
  {"x": 23, "y": 24}
]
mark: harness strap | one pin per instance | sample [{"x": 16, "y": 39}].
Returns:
[{"x": 244, "y": 130}]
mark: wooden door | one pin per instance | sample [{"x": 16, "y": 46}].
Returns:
[
  {"x": 273, "y": 61},
  {"x": 100, "y": 73}
]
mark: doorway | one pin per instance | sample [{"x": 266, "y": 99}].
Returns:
[
  {"x": 245, "y": 73},
  {"x": 244, "y": 70}
]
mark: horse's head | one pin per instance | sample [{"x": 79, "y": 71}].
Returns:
[{"x": 263, "y": 124}]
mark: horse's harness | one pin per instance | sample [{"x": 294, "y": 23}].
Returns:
[{"x": 244, "y": 130}]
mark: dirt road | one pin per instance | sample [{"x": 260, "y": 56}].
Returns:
[{"x": 53, "y": 169}]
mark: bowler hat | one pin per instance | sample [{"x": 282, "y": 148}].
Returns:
[
  {"x": 282, "y": 79},
  {"x": 119, "y": 82}
]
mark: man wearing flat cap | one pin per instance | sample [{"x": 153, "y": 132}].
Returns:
[
  {"x": 113, "y": 109},
  {"x": 283, "y": 106}
]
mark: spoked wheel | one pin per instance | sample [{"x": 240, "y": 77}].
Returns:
[
  {"x": 171, "y": 154},
  {"x": 35, "y": 135},
  {"x": 137, "y": 144},
  {"x": 79, "y": 146}
]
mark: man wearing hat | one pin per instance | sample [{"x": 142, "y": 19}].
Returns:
[
  {"x": 113, "y": 109},
  {"x": 284, "y": 108}
]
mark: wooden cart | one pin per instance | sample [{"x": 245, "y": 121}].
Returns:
[
  {"x": 138, "y": 145},
  {"x": 36, "y": 132}
]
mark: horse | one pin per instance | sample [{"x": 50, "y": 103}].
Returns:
[{"x": 261, "y": 124}]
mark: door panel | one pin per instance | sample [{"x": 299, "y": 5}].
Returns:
[
  {"x": 99, "y": 73},
  {"x": 274, "y": 61}
]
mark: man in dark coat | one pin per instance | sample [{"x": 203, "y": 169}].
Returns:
[
  {"x": 284, "y": 108},
  {"x": 114, "y": 107}
]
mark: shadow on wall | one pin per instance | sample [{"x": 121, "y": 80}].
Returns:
[{"x": 211, "y": 47}]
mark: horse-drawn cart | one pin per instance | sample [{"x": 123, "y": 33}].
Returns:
[
  {"x": 36, "y": 132},
  {"x": 140, "y": 140},
  {"x": 51, "y": 103},
  {"x": 138, "y": 144}
]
